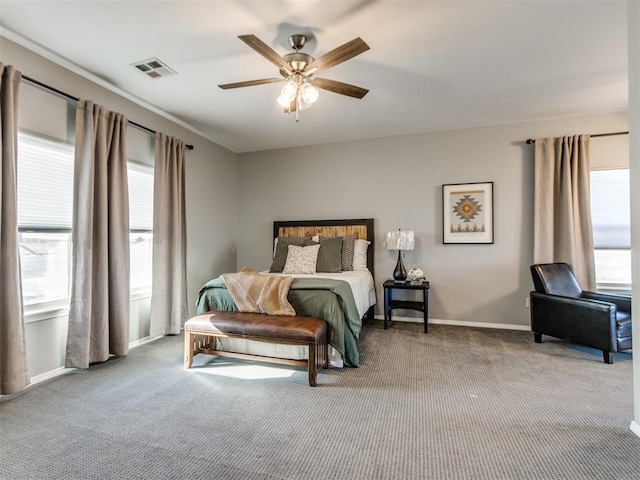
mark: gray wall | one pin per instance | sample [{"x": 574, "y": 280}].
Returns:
[
  {"x": 398, "y": 181},
  {"x": 211, "y": 176},
  {"x": 633, "y": 41}
]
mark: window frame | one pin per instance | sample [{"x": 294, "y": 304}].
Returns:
[
  {"x": 47, "y": 309},
  {"x": 138, "y": 293},
  {"x": 607, "y": 286},
  {"x": 44, "y": 310}
]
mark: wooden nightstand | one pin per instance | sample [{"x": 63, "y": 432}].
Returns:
[{"x": 390, "y": 304}]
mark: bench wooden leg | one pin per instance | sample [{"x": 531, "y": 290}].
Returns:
[
  {"x": 326, "y": 354},
  {"x": 188, "y": 349},
  {"x": 313, "y": 364},
  {"x": 318, "y": 359}
]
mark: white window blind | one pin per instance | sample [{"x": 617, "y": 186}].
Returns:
[
  {"x": 45, "y": 210},
  {"x": 610, "y": 209},
  {"x": 45, "y": 183},
  {"x": 140, "y": 197},
  {"x": 141, "y": 225}
]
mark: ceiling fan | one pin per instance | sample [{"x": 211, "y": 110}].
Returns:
[{"x": 298, "y": 70}]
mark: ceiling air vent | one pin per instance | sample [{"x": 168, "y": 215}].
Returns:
[{"x": 154, "y": 68}]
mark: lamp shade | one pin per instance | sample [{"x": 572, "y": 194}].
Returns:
[{"x": 399, "y": 240}]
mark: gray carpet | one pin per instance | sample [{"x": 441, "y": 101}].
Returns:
[{"x": 458, "y": 403}]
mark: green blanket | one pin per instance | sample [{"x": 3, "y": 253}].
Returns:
[{"x": 324, "y": 298}]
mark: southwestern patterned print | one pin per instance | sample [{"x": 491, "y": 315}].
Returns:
[{"x": 468, "y": 211}]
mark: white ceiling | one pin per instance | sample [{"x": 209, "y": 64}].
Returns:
[{"x": 432, "y": 66}]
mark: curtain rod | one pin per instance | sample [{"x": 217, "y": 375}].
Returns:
[
  {"x": 531, "y": 140},
  {"x": 71, "y": 97}
]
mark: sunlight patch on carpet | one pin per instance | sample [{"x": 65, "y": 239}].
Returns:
[{"x": 246, "y": 372}]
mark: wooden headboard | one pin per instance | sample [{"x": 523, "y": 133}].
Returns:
[{"x": 362, "y": 228}]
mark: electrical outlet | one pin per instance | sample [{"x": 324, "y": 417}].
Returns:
[{"x": 526, "y": 302}]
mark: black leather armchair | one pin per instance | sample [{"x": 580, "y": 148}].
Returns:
[{"x": 561, "y": 309}]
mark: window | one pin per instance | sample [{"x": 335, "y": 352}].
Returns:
[
  {"x": 610, "y": 214},
  {"x": 140, "y": 225},
  {"x": 45, "y": 212},
  {"x": 45, "y": 209}
]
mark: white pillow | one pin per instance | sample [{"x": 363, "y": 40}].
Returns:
[
  {"x": 301, "y": 259},
  {"x": 360, "y": 255}
]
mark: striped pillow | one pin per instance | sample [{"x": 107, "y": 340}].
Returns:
[{"x": 348, "y": 248}]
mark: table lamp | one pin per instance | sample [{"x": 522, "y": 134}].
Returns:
[{"x": 399, "y": 240}]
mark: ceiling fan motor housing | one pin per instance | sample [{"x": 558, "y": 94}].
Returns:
[{"x": 298, "y": 62}]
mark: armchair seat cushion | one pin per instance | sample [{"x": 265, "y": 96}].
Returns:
[{"x": 623, "y": 324}]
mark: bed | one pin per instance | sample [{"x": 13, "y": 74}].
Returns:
[{"x": 339, "y": 295}]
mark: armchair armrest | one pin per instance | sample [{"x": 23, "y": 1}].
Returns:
[
  {"x": 623, "y": 302},
  {"x": 581, "y": 320}
]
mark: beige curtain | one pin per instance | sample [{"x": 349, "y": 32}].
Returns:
[
  {"x": 14, "y": 375},
  {"x": 99, "y": 309},
  {"x": 562, "y": 206},
  {"x": 169, "y": 288}
]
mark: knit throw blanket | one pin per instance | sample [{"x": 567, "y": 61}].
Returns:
[{"x": 255, "y": 293}]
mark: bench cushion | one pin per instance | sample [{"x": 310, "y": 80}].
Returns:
[{"x": 257, "y": 325}]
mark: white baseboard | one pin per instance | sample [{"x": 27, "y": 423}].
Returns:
[
  {"x": 62, "y": 370},
  {"x": 635, "y": 428},
  {"x": 140, "y": 341},
  {"x": 50, "y": 374},
  {"x": 459, "y": 323}
]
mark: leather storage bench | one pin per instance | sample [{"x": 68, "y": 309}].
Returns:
[{"x": 200, "y": 333}]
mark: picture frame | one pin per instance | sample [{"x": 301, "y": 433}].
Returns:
[{"x": 467, "y": 213}]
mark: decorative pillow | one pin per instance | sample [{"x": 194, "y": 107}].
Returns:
[
  {"x": 301, "y": 259},
  {"x": 282, "y": 249},
  {"x": 330, "y": 255},
  {"x": 348, "y": 246},
  {"x": 360, "y": 255}
]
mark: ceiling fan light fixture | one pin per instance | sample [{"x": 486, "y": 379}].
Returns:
[
  {"x": 288, "y": 93},
  {"x": 282, "y": 100},
  {"x": 309, "y": 94},
  {"x": 301, "y": 103}
]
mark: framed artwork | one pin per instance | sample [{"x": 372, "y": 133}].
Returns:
[{"x": 467, "y": 213}]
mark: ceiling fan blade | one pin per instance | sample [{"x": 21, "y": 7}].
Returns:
[
  {"x": 265, "y": 50},
  {"x": 338, "y": 55},
  {"x": 251, "y": 83},
  {"x": 339, "y": 87},
  {"x": 293, "y": 106}
]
